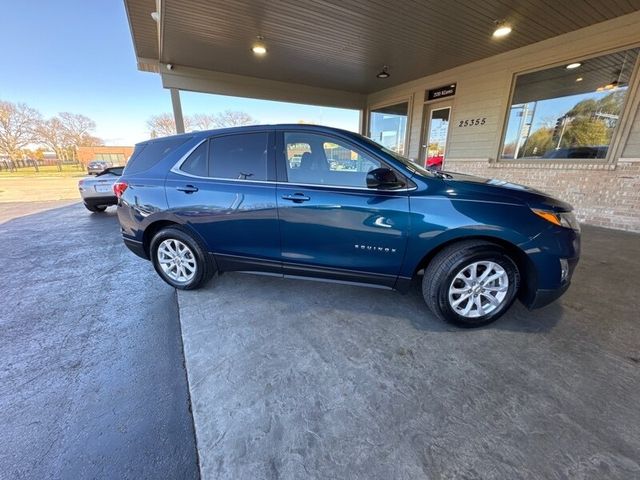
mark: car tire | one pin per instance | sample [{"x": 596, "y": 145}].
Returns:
[
  {"x": 455, "y": 290},
  {"x": 96, "y": 208},
  {"x": 180, "y": 259}
]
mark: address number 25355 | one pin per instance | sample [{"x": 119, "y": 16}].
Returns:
[{"x": 472, "y": 122}]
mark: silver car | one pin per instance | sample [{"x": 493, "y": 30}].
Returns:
[
  {"x": 97, "y": 192},
  {"x": 97, "y": 166}
]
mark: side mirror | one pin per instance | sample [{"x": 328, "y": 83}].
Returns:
[{"x": 383, "y": 179}]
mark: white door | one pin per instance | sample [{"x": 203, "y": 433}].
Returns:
[{"x": 434, "y": 135}]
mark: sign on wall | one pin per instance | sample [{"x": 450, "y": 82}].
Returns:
[{"x": 440, "y": 92}]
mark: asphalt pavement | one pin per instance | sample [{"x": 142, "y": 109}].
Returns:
[{"x": 92, "y": 378}]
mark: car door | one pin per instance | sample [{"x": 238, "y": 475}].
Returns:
[
  {"x": 331, "y": 224},
  {"x": 224, "y": 189}
]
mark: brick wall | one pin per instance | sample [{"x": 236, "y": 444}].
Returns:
[
  {"x": 604, "y": 195},
  {"x": 86, "y": 154}
]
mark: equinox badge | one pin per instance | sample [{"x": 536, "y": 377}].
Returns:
[{"x": 371, "y": 248}]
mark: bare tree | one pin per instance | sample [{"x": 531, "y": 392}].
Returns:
[
  {"x": 78, "y": 131},
  {"x": 164, "y": 124},
  {"x": 232, "y": 118},
  {"x": 91, "y": 141},
  {"x": 202, "y": 121},
  {"x": 52, "y": 134},
  {"x": 18, "y": 123}
]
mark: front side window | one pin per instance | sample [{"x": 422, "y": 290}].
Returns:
[
  {"x": 239, "y": 157},
  {"x": 318, "y": 159},
  {"x": 388, "y": 126},
  {"x": 569, "y": 111}
]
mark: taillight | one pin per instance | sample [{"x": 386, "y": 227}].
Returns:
[{"x": 119, "y": 188}]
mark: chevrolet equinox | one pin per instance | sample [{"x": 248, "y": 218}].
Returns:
[{"x": 301, "y": 201}]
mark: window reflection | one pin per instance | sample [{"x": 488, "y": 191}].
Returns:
[
  {"x": 388, "y": 126},
  {"x": 569, "y": 113}
]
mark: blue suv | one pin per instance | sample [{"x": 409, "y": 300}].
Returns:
[{"x": 304, "y": 201}]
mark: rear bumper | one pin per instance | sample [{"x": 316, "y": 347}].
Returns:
[
  {"x": 102, "y": 200},
  {"x": 136, "y": 247}
]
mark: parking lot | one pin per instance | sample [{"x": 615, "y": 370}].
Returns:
[{"x": 296, "y": 379}]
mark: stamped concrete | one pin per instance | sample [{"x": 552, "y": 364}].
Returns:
[
  {"x": 92, "y": 381},
  {"x": 293, "y": 379}
]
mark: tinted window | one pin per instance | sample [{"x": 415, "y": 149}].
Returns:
[
  {"x": 117, "y": 171},
  {"x": 147, "y": 155},
  {"x": 196, "y": 164},
  {"x": 324, "y": 160},
  {"x": 239, "y": 156}
]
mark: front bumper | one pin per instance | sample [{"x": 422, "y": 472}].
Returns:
[
  {"x": 543, "y": 282},
  {"x": 542, "y": 298}
]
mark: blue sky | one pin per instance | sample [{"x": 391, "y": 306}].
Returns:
[{"x": 77, "y": 56}]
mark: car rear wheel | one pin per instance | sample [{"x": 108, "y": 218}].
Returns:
[
  {"x": 180, "y": 260},
  {"x": 470, "y": 283},
  {"x": 95, "y": 208}
]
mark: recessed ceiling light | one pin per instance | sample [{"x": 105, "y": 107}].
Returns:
[
  {"x": 502, "y": 29},
  {"x": 579, "y": 79},
  {"x": 259, "y": 47},
  {"x": 571, "y": 66},
  {"x": 384, "y": 73}
]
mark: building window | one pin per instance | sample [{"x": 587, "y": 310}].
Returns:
[
  {"x": 388, "y": 126},
  {"x": 569, "y": 111},
  {"x": 109, "y": 157}
]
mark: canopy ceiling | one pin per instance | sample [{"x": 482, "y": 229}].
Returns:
[{"x": 342, "y": 44}]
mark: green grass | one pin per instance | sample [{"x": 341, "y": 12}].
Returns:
[{"x": 47, "y": 171}]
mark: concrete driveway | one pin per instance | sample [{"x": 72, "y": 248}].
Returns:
[
  {"x": 297, "y": 379},
  {"x": 92, "y": 379}
]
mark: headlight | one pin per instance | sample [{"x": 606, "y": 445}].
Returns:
[{"x": 562, "y": 219}]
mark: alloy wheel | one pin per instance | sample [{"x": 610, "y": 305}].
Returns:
[
  {"x": 478, "y": 289},
  {"x": 176, "y": 260}
]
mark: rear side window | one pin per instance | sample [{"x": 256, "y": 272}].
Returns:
[
  {"x": 147, "y": 155},
  {"x": 239, "y": 157},
  {"x": 196, "y": 164}
]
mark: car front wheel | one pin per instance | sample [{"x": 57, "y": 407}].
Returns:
[
  {"x": 180, "y": 260},
  {"x": 470, "y": 283}
]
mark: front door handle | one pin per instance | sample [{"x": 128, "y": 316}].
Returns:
[
  {"x": 187, "y": 189},
  {"x": 296, "y": 197}
]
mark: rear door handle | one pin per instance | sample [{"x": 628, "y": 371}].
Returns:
[
  {"x": 187, "y": 189},
  {"x": 296, "y": 197}
]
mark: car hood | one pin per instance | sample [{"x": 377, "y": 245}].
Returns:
[{"x": 494, "y": 189}]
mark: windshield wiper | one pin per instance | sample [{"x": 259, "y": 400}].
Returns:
[{"x": 439, "y": 173}]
